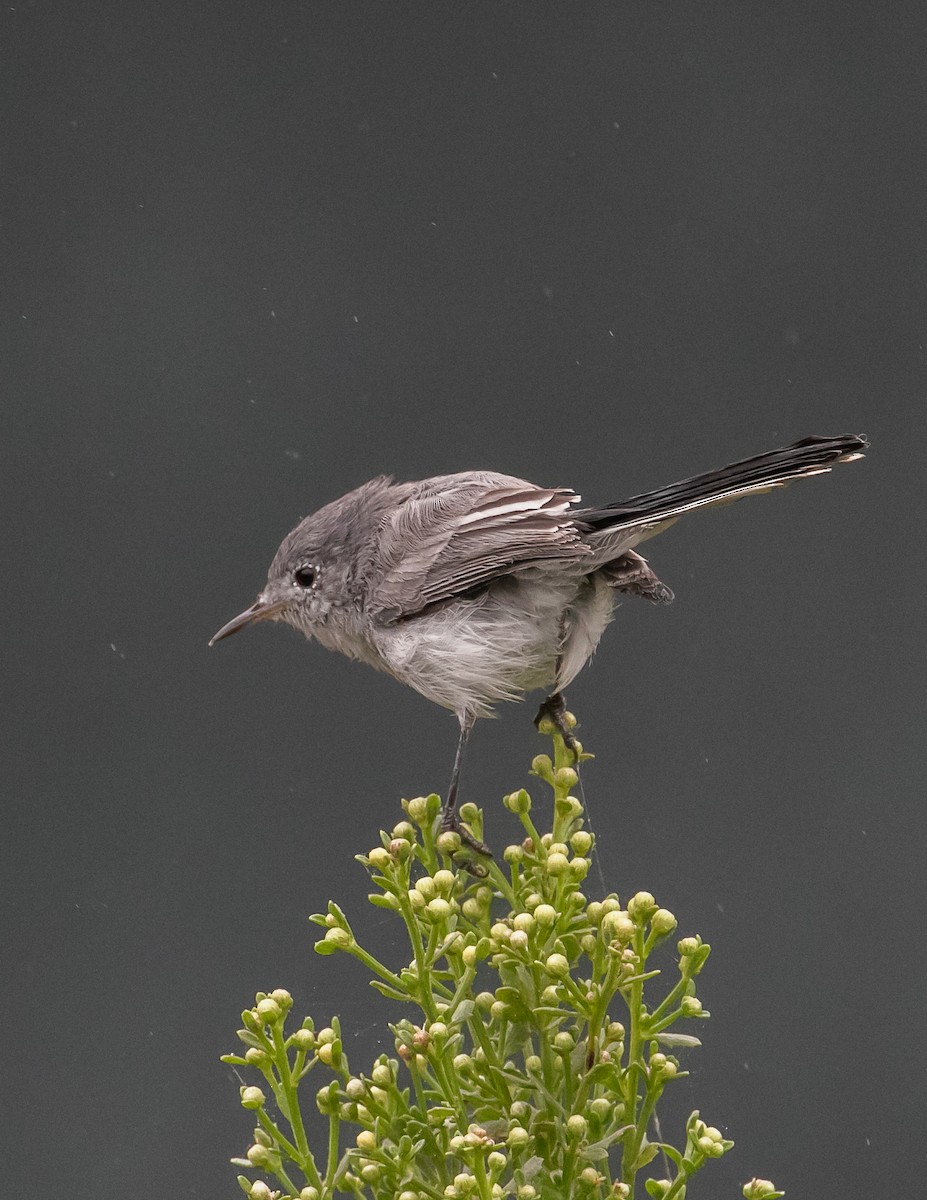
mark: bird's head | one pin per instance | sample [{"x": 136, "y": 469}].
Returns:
[{"x": 305, "y": 580}]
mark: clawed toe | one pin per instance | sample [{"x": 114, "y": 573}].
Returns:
[{"x": 554, "y": 709}]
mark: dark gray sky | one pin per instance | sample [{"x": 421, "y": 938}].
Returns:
[{"x": 256, "y": 253}]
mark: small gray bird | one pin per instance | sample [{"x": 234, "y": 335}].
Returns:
[{"x": 477, "y": 587}]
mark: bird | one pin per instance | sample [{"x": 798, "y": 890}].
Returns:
[{"x": 476, "y": 588}]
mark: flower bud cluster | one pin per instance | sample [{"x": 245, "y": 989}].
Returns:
[{"x": 708, "y": 1140}]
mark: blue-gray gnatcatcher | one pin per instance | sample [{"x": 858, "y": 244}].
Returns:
[{"x": 477, "y": 587}]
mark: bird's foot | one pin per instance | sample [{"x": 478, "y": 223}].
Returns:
[
  {"x": 554, "y": 710},
  {"x": 451, "y": 823}
]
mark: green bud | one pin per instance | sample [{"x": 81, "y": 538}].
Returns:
[
  {"x": 760, "y": 1189},
  {"x": 595, "y": 911},
  {"x": 268, "y": 1010},
  {"x": 439, "y": 909},
  {"x": 618, "y": 926},
  {"x": 309, "y": 1193},
  {"x": 260, "y": 1190},
  {"x": 371, "y": 1172},
  {"x": 426, "y": 885},
  {"x": 615, "y": 1031},
  {"x": 499, "y": 1010},
  {"x": 260, "y": 1156},
  {"x": 518, "y": 802},
  {"x": 326, "y": 1035},
  {"x": 557, "y": 864},
  {"x": 513, "y": 854},
  {"x": 500, "y": 932},
  {"x": 579, "y": 868},
  {"x": 252, "y": 1097},
  {"x": 541, "y": 765},
  {"x": 621, "y": 1191},
  {"x": 256, "y": 1058},
  {"x": 462, "y": 1062},
  {"x": 545, "y": 915},
  {"x": 471, "y": 909},
  {"x": 581, "y": 841},
  {"x": 565, "y": 778},
  {"x": 283, "y": 998},
  {"x": 404, "y": 830},
  {"x": 663, "y": 922},
  {"x": 437, "y": 1029},
  {"x": 417, "y": 808},
  {"x": 355, "y": 1089},
  {"x": 588, "y": 943},
  {"x": 520, "y": 1111},
  {"x": 690, "y": 1006},
  {"x": 551, "y": 995},
  {"x": 641, "y": 906},
  {"x": 409, "y": 1196},
  {"x": 518, "y": 1137},
  {"x": 519, "y": 940},
  {"x": 469, "y": 955},
  {"x": 576, "y": 1126},
  {"x": 657, "y": 1061},
  {"x": 558, "y": 965},
  {"x": 448, "y": 842},
  {"x": 533, "y": 1064},
  {"x": 469, "y": 812},
  {"x": 417, "y": 899},
  {"x": 658, "y": 1188},
  {"x": 379, "y": 858},
  {"x": 524, "y": 921},
  {"x": 303, "y": 1039},
  {"x": 336, "y": 937},
  {"x": 564, "y": 1042},
  {"x": 444, "y": 881},
  {"x": 591, "y": 1177},
  {"x": 601, "y": 1108},
  {"x": 366, "y": 1140},
  {"x": 527, "y": 1192},
  {"x": 688, "y": 945}
]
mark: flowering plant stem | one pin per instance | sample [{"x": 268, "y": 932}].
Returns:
[{"x": 537, "y": 1046}]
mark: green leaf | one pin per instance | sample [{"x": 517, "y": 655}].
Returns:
[
  {"x": 380, "y": 901},
  {"x": 677, "y": 1039},
  {"x": 649, "y": 1151},
  {"x": 596, "y": 1151},
  {"x": 531, "y": 1168},
  {"x": 385, "y": 990},
  {"x": 463, "y": 1011}
]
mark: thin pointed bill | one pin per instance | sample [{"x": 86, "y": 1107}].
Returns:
[{"x": 260, "y": 610}]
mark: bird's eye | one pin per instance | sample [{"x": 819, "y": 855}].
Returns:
[{"x": 304, "y": 576}]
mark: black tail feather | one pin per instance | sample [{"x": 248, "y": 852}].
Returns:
[{"x": 810, "y": 456}]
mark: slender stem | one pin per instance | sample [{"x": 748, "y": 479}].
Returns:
[{"x": 334, "y": 1124}]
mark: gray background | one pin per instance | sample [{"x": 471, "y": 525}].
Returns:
[{"x": 256, "y": 253}]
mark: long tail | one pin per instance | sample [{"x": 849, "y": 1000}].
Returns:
[{"x": 655, "y": 510}]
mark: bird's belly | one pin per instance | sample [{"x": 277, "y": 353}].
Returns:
[{"x": 473, "y": 653}]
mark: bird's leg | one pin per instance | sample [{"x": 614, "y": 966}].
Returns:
[
  {"x": 554, "y": 709},
  {"x": 449, "y": 818}
]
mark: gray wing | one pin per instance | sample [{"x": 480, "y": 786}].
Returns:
[{"x": 457, "y": 532}]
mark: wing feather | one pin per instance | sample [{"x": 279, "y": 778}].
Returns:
[{"x": 462, "y": 533}]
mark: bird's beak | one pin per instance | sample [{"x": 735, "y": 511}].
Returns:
[{"x": 260, "y": 610}]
